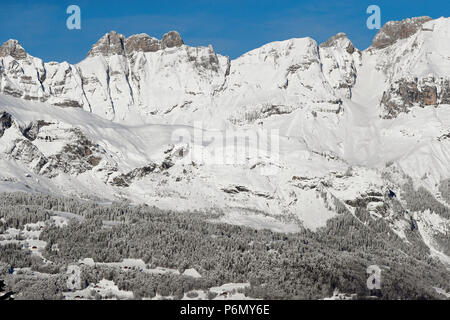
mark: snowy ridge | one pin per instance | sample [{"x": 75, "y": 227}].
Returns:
[
  {"x": 351, "y": 126},
  {"x": 166, "y": 81}
]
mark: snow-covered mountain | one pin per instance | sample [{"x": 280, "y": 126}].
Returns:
[{"x": 352, "y": 128}]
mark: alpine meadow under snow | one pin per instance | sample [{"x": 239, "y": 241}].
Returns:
[{"x": 122, "y": 165}]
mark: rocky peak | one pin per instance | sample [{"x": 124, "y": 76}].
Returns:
[
  {"x": 171, "y": 39},
  {"x": 395, "y": 30},
  {"x": 110, "y": 44},
  {"x": 142, "y": 43},
  {"x": 115, "y": 43},
  {"x": 14, "y": 49},
  {"x": 339, "y": 39}
]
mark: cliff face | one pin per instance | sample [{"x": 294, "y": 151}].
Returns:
[
  {"x": 118, "y": 73},
  {"x": 405, "y": 94},
  {"x": 413, "y": 56},
  {"x": 397, "y": 30},
  {"x": 116, "y": 44}
]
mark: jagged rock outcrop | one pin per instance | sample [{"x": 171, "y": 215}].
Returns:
[
  {"x": 29, "y": 78},
  {"x": 114, "y": 43},
  {"x": 110, "y": 44},
  {"x": 411, "y": 54},
  {"x": 14, "y": 49},
  {"x": 142, "y": 43},
  {"x": 5, "y": 122},
  {"x": 405, "y": 94},
  {"x": 31, "y": 131},
  {"x": 125, "y": 179},
  {"x": 171, "y": 39},
  {"x": 77, "y": 156},
  {"x": 395, "y": 30},
  {"x": 49, "y": 148},
  {"x": 28, "y": 154}
]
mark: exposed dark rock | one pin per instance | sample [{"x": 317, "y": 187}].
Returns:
[
  {"x": 230, "y": 190},
  {"x": 68, "y": 104},
  {"x": 275, "y": 109},
  {"x": 167, "y": 164},
  {"x": 120, "y": 181},
  {"x": 30, "y": 98},
  {"x": 209, "y": 62},
  {"x": 404, "y": 94},
  {"x": 395, "y": 30},
  {"x": 300, "y": 178},
  {"x": 444, "y": 137},
  {"x": 14, "y": 49},
  {"x": 110, "y": 44},
  {"x": 169, "y": 149},
  {"x": 10, "y": 91},
  {"x": 26, "y": 152},
  {"x": 242, "y": 189},
  {"x": 5, "y": 122},
  {"x": 124, "y": 180},
  {"x": 114, "y": 43},
  {"x": 362, "y": 202},
  {"x": 171, "y": 39},
  {"x": 235, "y": 189},
  {"x": 444, "y": 95},
  {"x": 374, "y": 194},
  {"x": 350, "y": 48},
  {"x": 32, "y": 130},
  {"x": 142, "y": 43},
  {"x": 94, "y": 161},
  {"x": 79, "y": 156}
]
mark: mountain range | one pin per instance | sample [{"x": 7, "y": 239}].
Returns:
[{"x": 352, "y": 129}]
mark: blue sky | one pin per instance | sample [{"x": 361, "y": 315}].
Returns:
[{"x": 232, "y": 27}]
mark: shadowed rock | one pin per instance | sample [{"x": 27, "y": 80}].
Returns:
[{"x": 5, "y": 122}]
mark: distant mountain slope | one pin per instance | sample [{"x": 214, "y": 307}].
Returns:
[{"x": 351, "y": 128}]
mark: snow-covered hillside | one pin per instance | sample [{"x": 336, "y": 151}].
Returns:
[{"x": 147, "y": 120}]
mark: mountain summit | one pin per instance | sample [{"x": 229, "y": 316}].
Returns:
[
  {"x": 396, "y": 30},
  {"x": 14, "y": 49},
  {"x": 113, "y": 43}
]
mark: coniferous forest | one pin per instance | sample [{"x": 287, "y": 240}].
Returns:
[{"x": 303, "y": 265}]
